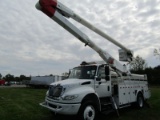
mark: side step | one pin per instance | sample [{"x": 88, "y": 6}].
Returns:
[
  {"x": 124, "y": 106},
  {"x": 114, "y": 105}
]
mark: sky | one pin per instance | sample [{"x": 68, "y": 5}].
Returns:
[{"x": 33, "y": 44}]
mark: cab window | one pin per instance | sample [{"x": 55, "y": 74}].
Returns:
[{"x": 101, "y": 72}]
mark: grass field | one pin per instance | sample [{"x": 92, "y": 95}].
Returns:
[{"x": 23, "y": 104}]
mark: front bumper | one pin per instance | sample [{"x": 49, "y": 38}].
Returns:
[{"x": 67, "y": 109}]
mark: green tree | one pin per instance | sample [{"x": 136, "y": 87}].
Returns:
[
  {"x": 17, "y": 79},
  {"x": 156, "y": 52},
  {"x": 138, "y": 64},
  {"x": 9, "y": 78},
  {"x": 22, "y": 77},
  {"x": 0, "y": 76}
]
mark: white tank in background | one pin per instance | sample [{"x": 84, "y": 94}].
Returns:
[{"x": 44, "y": 80}]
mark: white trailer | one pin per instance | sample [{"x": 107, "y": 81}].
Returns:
[
  {"x": 44, "y": 80},
  {"x": 92, "y": 87}
]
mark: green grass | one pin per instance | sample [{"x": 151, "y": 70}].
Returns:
[{"x": 23, "y": 104}]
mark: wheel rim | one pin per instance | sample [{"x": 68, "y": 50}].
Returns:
[
  {"x": 89, "y": 113},
  {"x": 140, "y": 101}
]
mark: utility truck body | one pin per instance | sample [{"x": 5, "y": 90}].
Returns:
[{"x": 93, "y": 87}]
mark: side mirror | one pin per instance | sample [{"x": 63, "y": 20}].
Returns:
[
  {"x": 107, "y": 78},
  {"x": 106, "y": 70}
]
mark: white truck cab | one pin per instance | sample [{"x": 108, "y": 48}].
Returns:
[{"x": 66, "y": 96}]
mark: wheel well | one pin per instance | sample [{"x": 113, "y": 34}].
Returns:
[
  {"x": 141, "y": 93},
  {"x": 140, "y": 100},
  {"x": 94, "y": 98}
]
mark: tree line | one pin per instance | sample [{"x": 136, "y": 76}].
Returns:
[
  {"x": 139, "y": 66},
  {"x": 153, "y": 74},
  {"x": 10, "y": 78}
]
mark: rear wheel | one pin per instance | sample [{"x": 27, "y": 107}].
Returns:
[
  {"x": 88, "y": 111},
  {"x": 140, "y": 101}
]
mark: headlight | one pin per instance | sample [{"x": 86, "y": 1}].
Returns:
[{"x": 69, "y": 97}]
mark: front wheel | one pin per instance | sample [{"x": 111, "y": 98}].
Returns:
[{"x": 88, "y": 111}]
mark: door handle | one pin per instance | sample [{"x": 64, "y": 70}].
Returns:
[{"x": 108, "y": 88}]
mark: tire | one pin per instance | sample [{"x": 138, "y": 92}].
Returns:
[
  {"x": 88, "y": 111},
  {"x": 140, "y": 101}
]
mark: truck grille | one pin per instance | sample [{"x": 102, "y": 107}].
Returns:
[{"x": 55, "y": 91}]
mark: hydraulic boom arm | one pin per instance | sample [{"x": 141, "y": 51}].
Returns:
[{"x": 58, "y": 12}]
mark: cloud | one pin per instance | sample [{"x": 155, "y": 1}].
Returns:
[{"x": 31, "y": 43}]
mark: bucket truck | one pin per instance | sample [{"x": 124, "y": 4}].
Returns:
[{"x": 92, "y": 87}]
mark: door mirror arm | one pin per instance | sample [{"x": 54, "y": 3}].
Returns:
[{"x": 97, "y": 78}]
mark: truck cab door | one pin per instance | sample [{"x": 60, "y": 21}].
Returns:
[{"x": 102, "y": 82}]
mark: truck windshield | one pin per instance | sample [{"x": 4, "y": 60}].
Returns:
[{"x": 83, "y": 72}]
